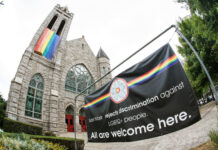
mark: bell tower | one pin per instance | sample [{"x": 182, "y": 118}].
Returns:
[{"x": 52, "y": 33}]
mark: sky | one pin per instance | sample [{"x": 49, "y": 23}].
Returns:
[{"x": 120, "y": 27}]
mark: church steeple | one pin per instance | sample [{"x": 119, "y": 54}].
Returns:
[
  {"x": 52, "y": 32},
  {"x": 103, "y": 65},
  {"x": 101, "y": 53}
]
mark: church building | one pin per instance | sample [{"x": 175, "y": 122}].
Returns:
[{"x": 51, "y": 73}]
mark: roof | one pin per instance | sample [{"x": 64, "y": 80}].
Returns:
[{"x": 101, "y": 53}]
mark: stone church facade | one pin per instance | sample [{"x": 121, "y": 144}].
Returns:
[{"x": 51, "y": 73}]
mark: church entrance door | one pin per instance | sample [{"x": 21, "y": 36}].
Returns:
[
  {"x": 69, "y": 118},
  {"x": 82, "y": 120},
  {"x": 69, "y": 122}
]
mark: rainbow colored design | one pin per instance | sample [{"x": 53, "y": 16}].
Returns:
[
  {"x": 154, "y": 72},
  {"x": 47, "y": 44},
  {"x": 98, "y": 100},
  {"x": 139, "y": 80}
]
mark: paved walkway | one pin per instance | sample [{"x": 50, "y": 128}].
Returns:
[{"x": 184, "y": 139}]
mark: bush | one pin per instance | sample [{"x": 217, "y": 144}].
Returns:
[
  {"x": 10, "y": 125},
  {"x": 214, "y": 137},
  {"x": 49, "y": 133},
  {"x": 2, "y": 110},
  {"x": 24, "y": 142}
]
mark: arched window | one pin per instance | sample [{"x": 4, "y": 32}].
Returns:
[
  {"x": 69, "y": 110},
  {"x": 50, "y": 25},
  {"x": 78, "y": 78},
  {"x": 82, "y": 112},
  {"x": 61, "y": 27},
  {"x": 34, "y": 97}
]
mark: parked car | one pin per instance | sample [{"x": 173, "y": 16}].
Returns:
[{"x": 202, "y": 101}]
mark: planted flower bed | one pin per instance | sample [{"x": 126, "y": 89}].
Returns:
[
  {"x": 35, "y": 142},
  {"x": 24, "y": 142}
]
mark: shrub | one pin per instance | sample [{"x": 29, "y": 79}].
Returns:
[
  {"x": 2, "y": 110},
  {"x": 49, "y": 133},
  {"x": 214, "y": 137},
  {"x": 19, "y": 127},
  {"x": 24, "y": 142}
]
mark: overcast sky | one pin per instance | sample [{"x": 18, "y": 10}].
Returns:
[{"x": 120, "y": 27}]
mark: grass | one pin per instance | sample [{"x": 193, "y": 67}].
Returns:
[
  {"x": 214, "y": 137},
  {"x": 212, "y": 144}
]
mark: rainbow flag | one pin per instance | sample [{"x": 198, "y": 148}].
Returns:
[
  {"x": 47, "y": 44},
  {"x": 169, "y": 62}
]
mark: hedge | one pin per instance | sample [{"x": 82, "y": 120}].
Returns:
[
  {"x": 2, "y": 110},
  {"x": 69, "y": 143},
  {"x": 10, "y": 125}
]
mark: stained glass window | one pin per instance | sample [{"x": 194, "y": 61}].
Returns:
[
  {"x": 34, "y": 97},
  {"x": 78, "y": 79}
]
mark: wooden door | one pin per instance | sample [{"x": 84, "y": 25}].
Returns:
[
  {"x": 70, "y": 123},
  {"x": 82, "y": 121}
]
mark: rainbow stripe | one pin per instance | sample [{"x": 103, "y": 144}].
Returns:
[
  {"x": 98, "y": 100},
  {"x": 139, "y": 80},
  {"x": 47, "y": 44},
  {"x": 153, "y": 72}
]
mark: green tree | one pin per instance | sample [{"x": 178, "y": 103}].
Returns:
[
  {"x": 201, "y": 29},
  {"x": 2, "y": 109}
]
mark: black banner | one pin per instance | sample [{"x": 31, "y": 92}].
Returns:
[{"x": 152, "y": 98}]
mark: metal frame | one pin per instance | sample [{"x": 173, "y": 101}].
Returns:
[{"x": 182, "y": 36}]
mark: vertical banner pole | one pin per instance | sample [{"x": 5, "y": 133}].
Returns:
[
  {"x": 201, "y": 62},
  {"x": 74, "y": 122}
]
